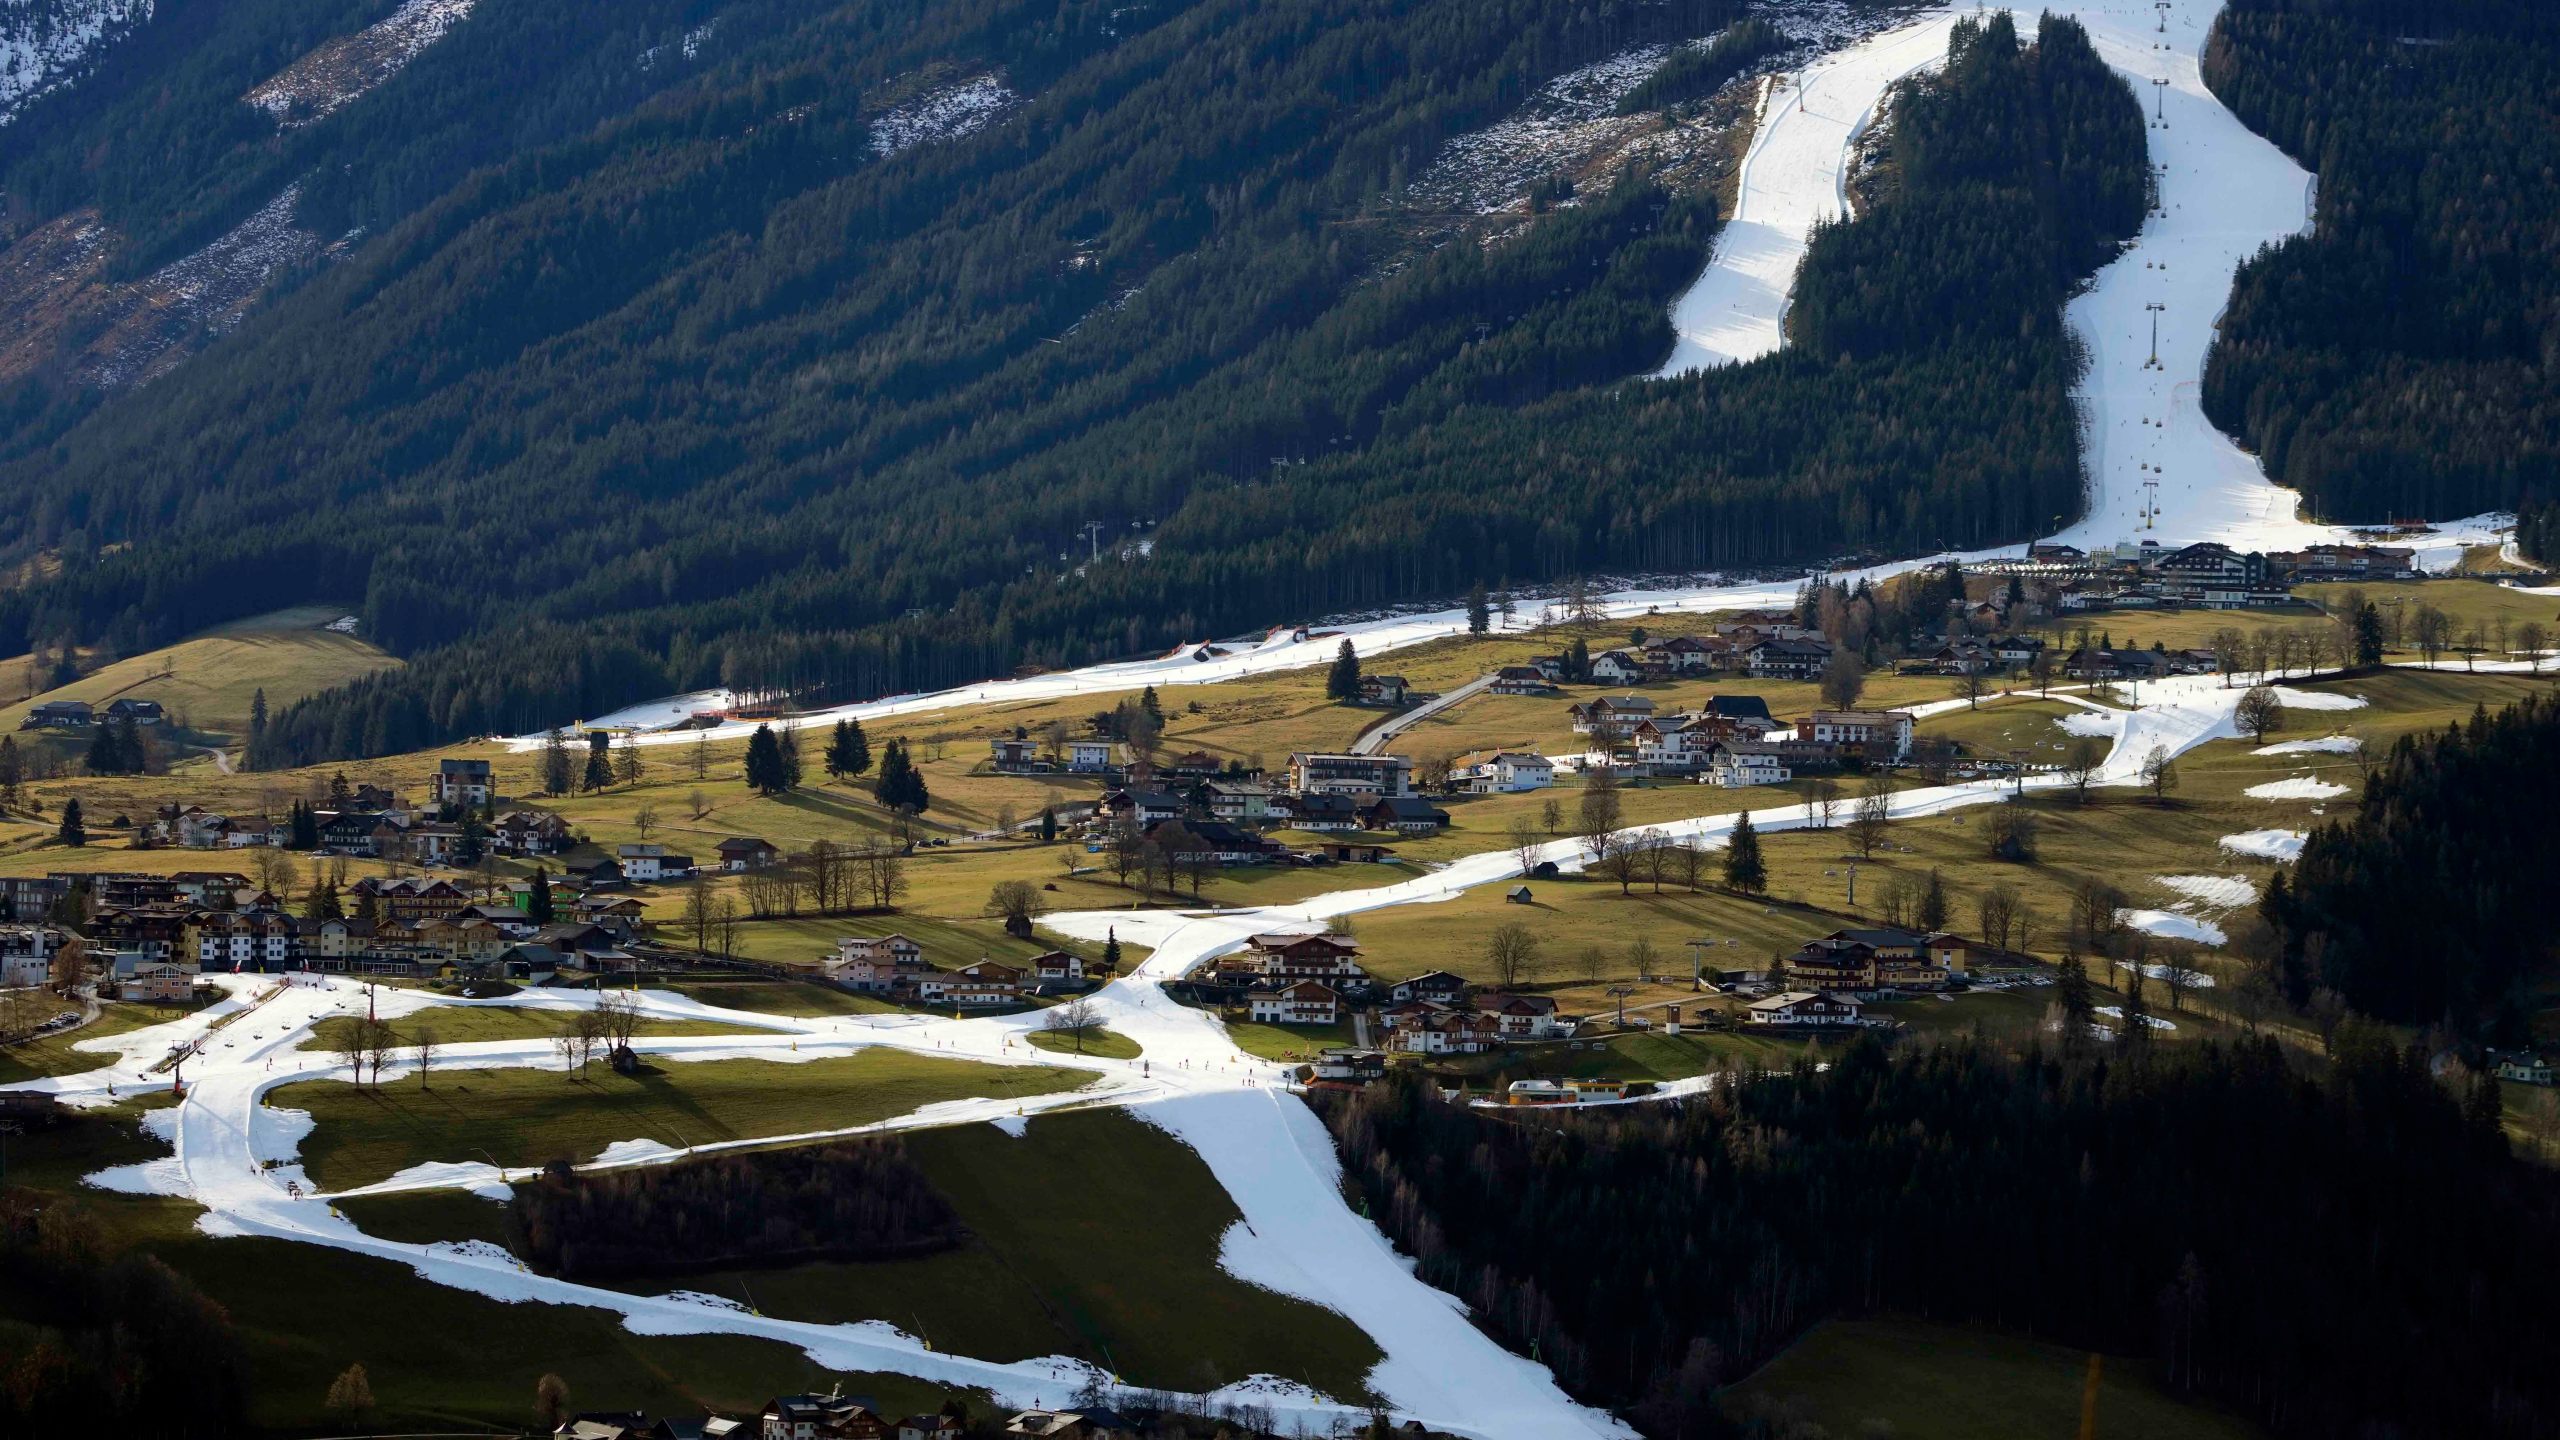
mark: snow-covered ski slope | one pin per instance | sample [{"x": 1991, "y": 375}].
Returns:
[
  {"x": 1793, "y": 177},
  {"x": 2224, "y": 193}
]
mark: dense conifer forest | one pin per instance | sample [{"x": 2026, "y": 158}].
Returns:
[
  {"x": 706, "y": 391},
  {"x": 2443, "y": 818},
  {"x": 2538, "y": 532},
  {"x": 2403, "y": 359},
  {"x": 859, "y": 1200},
  {"x": 2348, "y": 1254}
]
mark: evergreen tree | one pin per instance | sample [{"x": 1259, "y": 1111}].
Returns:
[
  {"x": 105, "y": 756},
  {"x": 1148, "y": 702},
  {"x": 1111, "y": 951},
  {"x": 1479, "y": 614},
  {"x": 787, "y": 746},
  {"x": 321, "y": 901},
  {"x": 627, "y": 766},
  {"x": 764, "y": 762},
  {"x": 1048, "y": 823},
  {"x": 890, "y": 788},
  {"x": 303, "y": 827},
  {"x": 258, "y": 720},
  {"x": 1342, "y": 682},
  {"x": 558, "y": 772},
  {"x": 2071, "y": 989},
  {"x": 71, "y": 831},
  {"x": 599, "y": 772},
  {"x": 1577, "y": 661},
  {"x": 2368, "y": 636},
  {"x": 1743, "y": 868},
  {"x": 1932, "y": 914},
  {"x": 13, "y": 770},
  {"x": 537, "y": 901},
  {"x": 841, "y": 743}
]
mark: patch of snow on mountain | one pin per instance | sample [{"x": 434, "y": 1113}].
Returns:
[
  {"x": 2227, "y": 892},
  {"x": 212, "y": 288},
  {"x": 2266, "y": 844},
  {"x": 2300, "y": 787},
  {"x": 337, "y": 71},
  {"x": 945, "y": 114},
  {"x": 44, "y": 42},
  {"x": 1570, "y": 117},
  {"x": 2325, "y": 745}
]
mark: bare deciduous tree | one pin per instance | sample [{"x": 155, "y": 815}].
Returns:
[
  {"x": 1868, "y": 819},
  {"x": 1511, "y": 953}
]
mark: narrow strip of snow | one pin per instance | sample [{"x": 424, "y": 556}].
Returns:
[
  {"x": 2325, "y": 745},
  {"x": 2228, "y": 892},
  {"x": 2300, "y": 787}
]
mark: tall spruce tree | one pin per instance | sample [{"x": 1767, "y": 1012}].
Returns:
[
  {"x": 1479, "y": 612},
  {"x": 71, "y": 831},
  {"x": 1343, "y": 681},
  {"x": 764, "y": 762},
  {"x": 599, "y": 774},
  {"x": 1744, "y": 870}
]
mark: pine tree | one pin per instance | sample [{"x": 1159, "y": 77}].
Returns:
[
  {"x": 764, "y": 762},
  {"x": 1343, "y": 681},
  {"x": 1479, "y": 614},
  {"x": 787, "y": 744},
  {"x": 321, "y": 901},
  {"x": 258, "y": 720},
  {"x": 1148, "y": 702},
  {"x": 537, "y": 901},
  {"x": 2368, "y": 636},
  {"x": 105, "y": 756},
  {"x": 1111, "y": 951},
  {"x": 1743, "y": 868},
  {"x": 1932, "y": 915},
  {"x": 839, "y": 756},
  {"x": 599, "y": 762},
  {"x": 858, "y": 753},
  {"x": 1048, "y": 823},
  {"x": 2078, "y": 1008},
  {"x": 13, "y": 770},
  {"x": 557, "y": 773},
  {"x": 890, "y": 789},
  {"x": 626, "y": 761},
  {"x": 71, "y": 831}
]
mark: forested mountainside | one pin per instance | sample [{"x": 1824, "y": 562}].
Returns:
[
  {"x": 2404, "y": 358},
  {"x": 2436, "y": 819},
  {"x": 2353, "y": 1254},
  {"x": 636, "y": 376}
]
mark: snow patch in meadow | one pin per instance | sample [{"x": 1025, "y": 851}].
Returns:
[
  {"x": 2189, "y": 979},
  {"x": 2317, "y": 699},
  {"x": 2228, "y": 892},
  {"x": 2300, "y": 787},
  {"x": 2325, "y": 745},
  {"x": 2116, "y": 1013},
  {"x": 634, "y": 1152},
  {"x": 2090, "y": 724},
  {"x": 2172, "y": 925},
  {"x": 2281, "y": 845},
  {"x": 477, "y": 1176}
]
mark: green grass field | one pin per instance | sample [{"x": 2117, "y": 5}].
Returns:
[
  {"x": 1917, "y": 1381},
  {"x": 207, "y": 681},
  {"x": 1095, "y": 1040},
  {"x": 54, "y": 1055},
  {"x": 1093, "y": 1234},
  {"x": 440, "y": 1360},
  {"x": 464, "y": 1024},
  {"x": 799, "y": 998},
  {"x": 1284, "y": 1042},
  {"x": 534, "y": 1116}
]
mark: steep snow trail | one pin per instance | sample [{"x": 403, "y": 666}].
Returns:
[{"x": 1792, "y": 178}]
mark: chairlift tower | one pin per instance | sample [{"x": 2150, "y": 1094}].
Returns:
[
  {"x": 1092, "y": 532},
  {"x": 2155, "y": 307},
  {"x": 2163, "y": 7},
  {"x": 2150, "y": 504},
  {"x": 2160, "y": 98}
]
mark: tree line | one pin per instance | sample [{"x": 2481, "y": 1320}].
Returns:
[
  {"x": 855, "y": 1200},
  {"x": 2397, "y": 359},
  {"x": 2424, "y": 904},
  {"x": 2188, "y": 1204}
]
